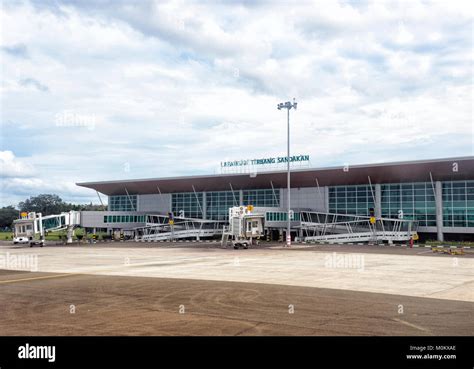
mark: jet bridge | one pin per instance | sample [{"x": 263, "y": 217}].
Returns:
[
  {"x": 165, "y": 228},
  {"x": 31, "y": 227},
  {"x": 342, "y": 228}
]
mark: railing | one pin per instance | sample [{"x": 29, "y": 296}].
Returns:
[
  {"x": 158, "y": 228},
  {"x": 349, "y": 228}
]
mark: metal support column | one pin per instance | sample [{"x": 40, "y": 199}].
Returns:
[
  {"x": 321, "y": 197},
  {"x": 439, "y": 210},
  {"x": 326, "y": 199},
  {"x": 198, "y": 202},
  {"x": 130, "y": 200},
  {"x": 204, "y": 205},
  {"x": 100, "y": 199},
  {"x": 274, "y": 194},
  {"x": 378, "y": 200},
  {"x": 233, "y": 195}
]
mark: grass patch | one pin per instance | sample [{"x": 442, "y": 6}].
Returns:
[
  {"x": 56, "y": 235},
  {"x": 449, "y": 243},
  {"x": 6, "y": 236}
]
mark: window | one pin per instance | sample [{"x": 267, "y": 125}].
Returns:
[
  {"x": 458, "y": 203},
  {"x": 350, "y": 200},
  {"x": 411, "y": 200},
  {"x": 189, "y": 202},
  {"x": 219, "y": 202},
  {"x": 414, "y": 200},
  {"x": 281, "y": 217},
  {"x": 124, "y": 219},
  {"x": 123, "y": 203},
  {"x": 262, "y": 198}
]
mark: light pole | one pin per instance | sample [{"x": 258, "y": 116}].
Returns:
[{"x": 288, "y": 105}]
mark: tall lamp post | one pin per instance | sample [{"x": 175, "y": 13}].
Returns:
[{"x": 288, "y": 105}]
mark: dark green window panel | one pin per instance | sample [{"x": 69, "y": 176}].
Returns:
[{"x": 123, "y": 203}]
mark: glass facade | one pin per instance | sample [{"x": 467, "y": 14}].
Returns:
[
  {"x": 414, "y": 201},
  {"x": 188, "y": 204},
  {"x": 219, "y": 202},
  {"x": 124, "y": 218},
  {"x": 123, "y": 203},
  {"x": 354, "y": 200},
  {"x": 262, "y": 198},
  {"x": 410, "y": 201},
  {"x": 278, "y": 216},
  {"x": 52, "y": 222},
  {"x": 458, "y": 204},
  {"x": 407, "y": 200}
]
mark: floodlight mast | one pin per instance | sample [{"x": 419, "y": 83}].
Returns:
[{"x": 288, "y": 105}]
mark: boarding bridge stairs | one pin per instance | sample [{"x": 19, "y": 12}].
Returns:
[
  {"x": 345, "y": 228},
  {"x": 162, "y": 228}
]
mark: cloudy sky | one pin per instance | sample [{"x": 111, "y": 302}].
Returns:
[{"x": 135, "y": 89}]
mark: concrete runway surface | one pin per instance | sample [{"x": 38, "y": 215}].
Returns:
[{"x": 206, "y": 290}]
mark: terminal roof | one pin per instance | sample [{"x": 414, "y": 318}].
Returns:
[{"x": 396, "y": 172}]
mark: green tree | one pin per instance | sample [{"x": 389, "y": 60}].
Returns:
[
  {"x": 7, "y": 215},
  {"x": 45, "y": 204},
  {"x": 91, "y": 207}
]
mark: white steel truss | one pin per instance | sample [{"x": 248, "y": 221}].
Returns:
[
  {"x": 158, "y": 228},
  {"x": 342, "y": 228}
]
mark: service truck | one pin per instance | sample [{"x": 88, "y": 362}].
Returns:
[{"x": 245, "y": 227}]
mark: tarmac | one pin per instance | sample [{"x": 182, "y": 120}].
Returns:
[{"x": 202, "y": 289}]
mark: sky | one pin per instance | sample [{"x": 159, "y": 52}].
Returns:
[{"x": 140, "y": 89}]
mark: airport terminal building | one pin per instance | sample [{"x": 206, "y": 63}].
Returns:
[{"x": 437, "y": 194}]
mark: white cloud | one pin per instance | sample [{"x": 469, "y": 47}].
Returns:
[
  {"x": 10, "y": 166},
  {"x": 175, "y": 87},
  {"x": 403, "y": 36}
]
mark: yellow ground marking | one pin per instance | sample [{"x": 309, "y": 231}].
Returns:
[
  {"x": 37, "y": 278},
  {"x": 97, "y": 271}
]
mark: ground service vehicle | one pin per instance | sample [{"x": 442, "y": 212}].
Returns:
[
  {"x": 31, "y": 227},
  {"x": 245, "y": 227}
]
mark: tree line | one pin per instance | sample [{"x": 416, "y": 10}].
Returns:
[{"x": 46, "y": 204}]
